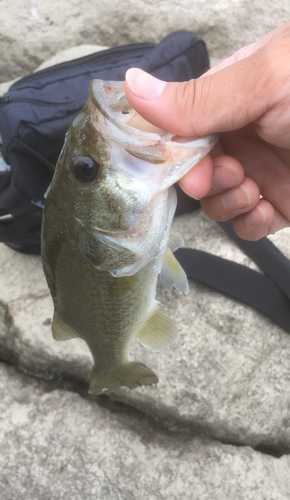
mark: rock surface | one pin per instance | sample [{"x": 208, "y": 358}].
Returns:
[
  {"x": 227, "y": 377},
  {"x": 32, "y": 31},
  {"x": 58, "y": 445}
]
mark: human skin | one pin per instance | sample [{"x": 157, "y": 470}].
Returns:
[{"x": 246, "y": 98}]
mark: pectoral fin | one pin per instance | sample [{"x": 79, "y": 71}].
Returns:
[
  {"x": 172, "y": 273},
  {"x": 175, "y": 241},
  {"x": 158, "y": 331},
  {"x": 60, "y": 330}
]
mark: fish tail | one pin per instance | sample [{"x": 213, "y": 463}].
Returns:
[{"x": 132, "y": 374}]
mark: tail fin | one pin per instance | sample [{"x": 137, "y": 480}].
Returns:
[{"x": 131, "y": 375}]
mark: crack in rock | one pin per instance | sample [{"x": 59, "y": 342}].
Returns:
[{"x": 23, "y": 301}]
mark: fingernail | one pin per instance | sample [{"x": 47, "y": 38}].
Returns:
[
  {"x": 187, "y": 192},
  {"x": 256, "y": 217},
  {"x": 144, "y": 85},
  {"x": 236, "y": 198}
]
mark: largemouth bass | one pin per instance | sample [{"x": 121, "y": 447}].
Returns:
[{"x": 106, "y": 234}]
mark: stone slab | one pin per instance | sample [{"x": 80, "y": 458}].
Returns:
[
  {"x": 58, "y": 445},
  {"x": 228, "y": 375},
  {"x": 31, "y": 32}
]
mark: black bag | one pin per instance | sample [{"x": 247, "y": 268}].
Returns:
[
  {"x": 34, "y": 116},
  {"x": 37, "y": 110}
]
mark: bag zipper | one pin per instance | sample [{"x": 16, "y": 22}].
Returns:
[
  {"x": 70, "y": 64},
  {"x": 8, "y": 99},
  {"x": 85, "y": 59}
]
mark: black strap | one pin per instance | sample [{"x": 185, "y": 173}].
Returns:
[
  {"x": 266, "y": 255},
  {"x": 22, "y": 231},
  {"x": 22, "y": 146},
  {"x": 269, "y": 293}
]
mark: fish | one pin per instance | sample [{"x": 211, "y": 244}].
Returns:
[{"x": 106, "y": 234}]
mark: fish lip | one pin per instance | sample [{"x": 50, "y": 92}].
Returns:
[
  {"x": 126, "y": 233},
  {"x": 114, "y": 234},
  {"x": 175, "y": 154},
  {"x": 97, "y": 95},
  {"x": 103, "y": 231}
]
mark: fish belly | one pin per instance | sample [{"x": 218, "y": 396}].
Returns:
[{"x": 102, "y": 310}]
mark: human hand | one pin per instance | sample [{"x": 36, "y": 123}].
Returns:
[{"x": 247, "y": 99}]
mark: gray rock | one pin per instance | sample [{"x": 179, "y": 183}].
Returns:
[
  {"x": 33, "y": 32},
  {"x": 58, "y": 445},
  {"x": 227, "y": 376}
]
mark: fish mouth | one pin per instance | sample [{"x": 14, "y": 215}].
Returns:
[
  {"x": 104, "y": 232},
  {"x": 129, "y": 234},
  {"x": 172, "y": 156},
  {"x": 112, "y": 234}
]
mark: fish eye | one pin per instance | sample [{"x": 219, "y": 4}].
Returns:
[{"x": 86, "y": 169}]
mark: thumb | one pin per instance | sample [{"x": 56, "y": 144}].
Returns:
[{"x": 222, "y": 101}]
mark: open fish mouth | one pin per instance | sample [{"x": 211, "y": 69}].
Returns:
[{"x": 172, "y": 156}]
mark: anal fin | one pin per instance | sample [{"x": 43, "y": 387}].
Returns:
[
  {"x": 172, "y": 273},
  {"x": 133, "y": 374},
  {"x": 158, "y": 331},
  {"x": 60, "y": 330}
]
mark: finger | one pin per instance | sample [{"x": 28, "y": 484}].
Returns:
[
  {"x": 278, "y": 33},
  {"x": 226, "y": 100},
  {"x": 227, "y": 173},
  {"x": 233, "y": 202},
  {"x": 211, "y": 176},
  {"x": 196, "y": 183},
  {"x": 264, "y": 219},
  {"x": 246, "y": 51}
]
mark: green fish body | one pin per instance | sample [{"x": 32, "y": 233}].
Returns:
[{"x": 106, "y": 234}]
